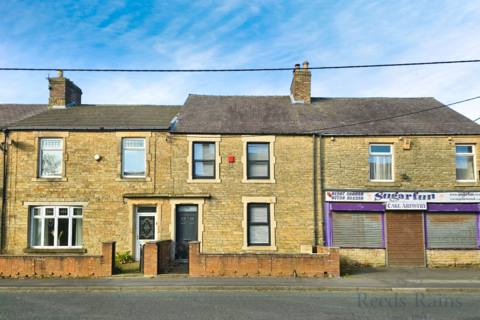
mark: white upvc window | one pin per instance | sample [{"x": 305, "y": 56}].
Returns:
[
  {"x": 465, "y": 162},
  {"x": 56, "y": 227},
  {"x": 51, "y": 158},
  {"x": 133, "y": 158},
  {"x": 381, "y": 162}
]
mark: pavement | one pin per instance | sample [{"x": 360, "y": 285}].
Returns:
[{"x": 361, "y": 280}]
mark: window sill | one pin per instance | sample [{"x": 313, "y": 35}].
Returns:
[
  {"x": 148, "y": 179},
  {"x": 466, "y": 184},
  {"x": 383, "y": 184},
  {"x": 49, "y": 179},
  {"x": 258, "y": 181},
  {"x": 204, "y": 181},
  {"x": 259, "y": 248},
  {"x": 54, "y": 250}
]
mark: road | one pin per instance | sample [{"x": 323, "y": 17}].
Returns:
[{"x": 237, "y": 305}]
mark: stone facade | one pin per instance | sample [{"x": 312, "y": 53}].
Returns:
[
  {"x": 363, "y": 257},
  {"x": 449, "y": 258},
  {"x": 94, "y": 185},
  {"x": 429, "y": 164}
]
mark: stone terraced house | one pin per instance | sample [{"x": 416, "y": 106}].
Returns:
[{"x": 239, "y": 185}]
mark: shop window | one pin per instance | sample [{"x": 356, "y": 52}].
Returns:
[
  {"x": 452, "y": 230},
  {"x": 357, "y": 229},
  {"x": 465, "y": 162},
  {"x": 51, "y": 158},
  {"x": 133, "y": 158},
  {"x": 56, "y": 227},
  {"x": 381, "y": 162}
]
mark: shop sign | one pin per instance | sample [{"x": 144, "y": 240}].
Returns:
[
  {"x": 405, "y": 206},
  {"x": 407, "y": 197}
]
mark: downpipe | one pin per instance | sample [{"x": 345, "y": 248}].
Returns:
[{"x": 4, "y": 190}]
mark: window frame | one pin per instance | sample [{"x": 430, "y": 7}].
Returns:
[
  {"x": 472, "y": 154},
  {"x": 250, "y": 224},
  {"x": 380, "y": 154},
  {"x": 71, "y": 216},
  {"x": 270, "y": 201},
  {"x": 249, "y": 161},
  {"x": 124, "y": 139},
  {"x": 194, "y": 161},
  {"x": 40, "y": 157}
]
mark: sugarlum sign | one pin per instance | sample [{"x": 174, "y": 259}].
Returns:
[{"x": 410, "y": 197}]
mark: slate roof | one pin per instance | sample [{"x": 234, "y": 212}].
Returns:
[
  {"x": 14, "y": 112},
  {"x": 361, "y": 116},
  {"x": 101, "y": 116}
]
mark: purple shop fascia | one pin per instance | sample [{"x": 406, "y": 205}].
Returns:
[{"x": 381, "y": 201}]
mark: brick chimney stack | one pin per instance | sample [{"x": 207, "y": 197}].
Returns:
[
  {"x": 63, "y": 92},
  {"x": 301, "y": 83}
]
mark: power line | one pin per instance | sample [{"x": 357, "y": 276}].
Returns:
[
  {"x": 241, "y": 70},
  {"x": 392, "y": 117}
]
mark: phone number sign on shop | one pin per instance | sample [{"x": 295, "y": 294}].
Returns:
[{"x": 407, "y": 197}]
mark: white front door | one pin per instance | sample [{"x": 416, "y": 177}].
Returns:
[{"x": 146, "y": 227}]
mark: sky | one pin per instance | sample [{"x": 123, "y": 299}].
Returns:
[{"x": 208, "y": 34}]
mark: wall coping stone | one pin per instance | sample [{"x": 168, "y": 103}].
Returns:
[{"x": 42, "y": 250}]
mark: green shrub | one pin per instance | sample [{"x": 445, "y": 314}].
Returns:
[{"x": 123, "y": 258}]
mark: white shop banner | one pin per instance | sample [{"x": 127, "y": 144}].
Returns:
[
  {"x": 406, "y": 206},
  {"x": 410, "y": 197}
]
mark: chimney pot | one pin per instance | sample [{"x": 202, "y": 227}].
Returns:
[
  {"x": 60, "y": 73},
  {"x": 297, "y": 66},
  {"x": 305, "y": 66}
]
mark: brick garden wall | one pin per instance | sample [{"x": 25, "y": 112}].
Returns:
[
  {"x": 59, "y": 265},
  {"x": 263, "y": 265},
  {"x": 156, "y": 256}
]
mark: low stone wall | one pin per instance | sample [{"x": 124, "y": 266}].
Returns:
[
  {"x": 156, "y": 256},
  {"x": 15, "y": 266},
  {"x": 441, "y": 257},
  {"x": 362, "y": 257},
  {"x": 325, "y": 263}
]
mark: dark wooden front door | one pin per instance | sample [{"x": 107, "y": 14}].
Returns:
[
  {"x": 186, "y": 230},
  {"x": 405, "y": 239}
]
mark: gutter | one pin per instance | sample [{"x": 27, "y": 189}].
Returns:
[
  {"x": 84, "y": 129},
  {"x": 4, "y": 190}
]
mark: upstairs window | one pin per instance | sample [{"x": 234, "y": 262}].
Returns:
[
  {"x": 258, "y": 161},
  {"x": 133, "y": 158},
  {"x": 51, "y": 158},
  {"x": 465, "y": 162},
  {"x": 381, "y": 162},
  {"x": 203, "y": 160}
]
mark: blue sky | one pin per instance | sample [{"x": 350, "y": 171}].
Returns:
[{"x": 211, "y": 34}]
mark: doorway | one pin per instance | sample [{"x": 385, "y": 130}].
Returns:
[
  {"x": 405, "y": 239},
  {"x": 146, "y": 227},
  {"x": 186, "y": 229}
]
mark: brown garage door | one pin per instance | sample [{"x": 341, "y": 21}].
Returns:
[{"x": 405, "y": 241}]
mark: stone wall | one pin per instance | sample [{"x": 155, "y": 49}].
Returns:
[
  {"x": 450, "y": 258},
  {"x": 59, "y": 266},
  {"x": 362, "y": 257},
  {"x": 325, "y": 264},
  {"x": 95, "y": 185},
  {"x": 429, "y": 164},
  {"x": 223, "y": 211}
]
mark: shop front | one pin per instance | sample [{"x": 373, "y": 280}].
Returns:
[{"x": 404, "y": 229}]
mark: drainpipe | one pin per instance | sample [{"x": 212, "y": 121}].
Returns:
[
  {"x": 322, "y": 201},
  {"x": 4, "y": 191},
  {"x": 314, "y": 192}
]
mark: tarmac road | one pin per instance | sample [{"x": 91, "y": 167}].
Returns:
[{"x": 237, "y": 305}]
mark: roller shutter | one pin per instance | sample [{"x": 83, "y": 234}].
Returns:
[
  {"x": 452, "y": 230},
  {"x": 357, "y": 229}
]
